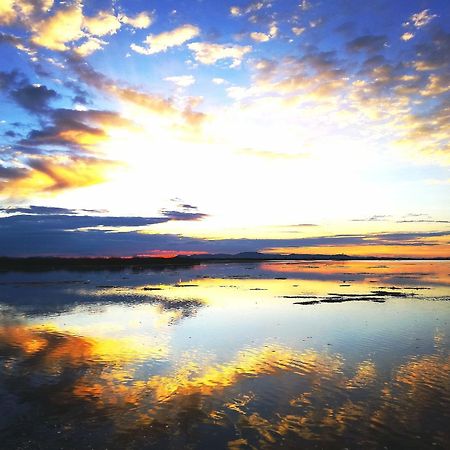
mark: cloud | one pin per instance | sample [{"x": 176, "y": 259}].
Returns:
[
  {"x": 67, "y": 25},
  {"x": 368, "y": 43},
  {"x": 219, "y": 81},
  {"x": 60, "y": 29},
  {"x": 141, "y": 20},
  {"x": 11, "y": 173},
  {"x": 7, "y": 12},
  {"x": 235, "y": 11},
  {"x": 183, "y": 215},
  {"x": 75, "y": 129},
  {"x": 44, "y": 210},
  {"x": 422, "y": 18},
  {"x": 181, "y": 80},
  {"x": 91, "y": 45},
  {"x": 34, "y": 98},
  {"x": 251, "y": 7},
  {"x": 209, "y": 53},
  {"x": 24, "y": 235},
  {"x": 407, "y": 36},
  {"x": 62, "y": 219},
  {"x": 260, "y": 37},
  {"x": 298, "y": 30},
  {"x": 37, "y": 230},
  {"x": 375, "y": 218},
  {"x": 153, "y": 103},
  {"x": 62, "y": 153},
  {"x": 102, "y": 24},
  {"x": 183, "y": 211},
  {"x": 437, "y": 85},
  {"x": 45, "y": 174},
  {"x": 163, "y": 41}
]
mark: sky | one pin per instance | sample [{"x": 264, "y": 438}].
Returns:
[{"x": 176, "y": 127}]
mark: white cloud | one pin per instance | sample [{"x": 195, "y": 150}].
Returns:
[
  {"x": 208, "y": 53},
  {"x": 163, "y": 41},
  {"x": 181, "y": 80},
  {"x": 219, "y": 81}
]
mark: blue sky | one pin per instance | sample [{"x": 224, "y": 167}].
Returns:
[{"x": 260, "y": 116}]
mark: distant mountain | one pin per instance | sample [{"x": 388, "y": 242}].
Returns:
[{"x": 250, "y": 256}]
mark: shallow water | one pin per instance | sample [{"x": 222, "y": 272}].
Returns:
[{"x": 240, "y": 355}]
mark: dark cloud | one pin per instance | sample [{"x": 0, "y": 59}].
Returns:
[
  {"x": 11, "y": 173},
  {"x": 374, "y": 61},
  {"x": 74, "y": 129},
  {"x": 56, "y": 232},
  {"x": 375, "y": 218},
  {"x": 187, "y": 206},
  {"x": 368, "y": 43},
  {"x": 183, "y": 215},
  {"x": 11, "y": 134},
  {"x": 9, "y": 39},
  {"x": 43, "y": 210},
  {"x": 434, "y": 55},
  {"x": 81, "y": 94},
  {"x": 423, "y": 221},
  {"x": 57, "y": 222},
  {"x": 34, "y": 98},
  {"x": 346, "y": 28},
  {"x": 9, "y": 80}
]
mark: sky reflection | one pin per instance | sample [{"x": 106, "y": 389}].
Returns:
[{"x": 223, "y": 356}]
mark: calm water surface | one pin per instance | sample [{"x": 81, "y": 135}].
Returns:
[{"x": 227, "y": 356}]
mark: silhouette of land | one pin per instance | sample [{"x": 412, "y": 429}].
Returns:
[{"x": 159, "y": 263}]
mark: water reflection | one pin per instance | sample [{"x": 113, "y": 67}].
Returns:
[{"x": 217, "y": 359}]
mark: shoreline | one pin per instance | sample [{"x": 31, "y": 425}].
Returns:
[{"x": 8, "y": 264}]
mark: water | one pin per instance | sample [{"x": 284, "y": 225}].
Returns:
[{"x": 234, "y": 356}]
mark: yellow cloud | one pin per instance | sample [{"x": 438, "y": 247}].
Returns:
[
  {"x": 235, "y": 11},
  {"x": 141, "y": 20},
  {"x": 260, "y": 37},
  {"x": 63, "y": 27},
  {"x": 298, "y": 30},
  {"x": 437, "y": 84},
  {"x": 163, "y": 41},
  {"x": 101, "y": 24},
  {"x": 7, "y": 12},
  {"x": 407, "y": 36},
  {"x": 90, "y": 46},
  {"x": 12, "y": 10},
  {"x": 55, "y": 174}
]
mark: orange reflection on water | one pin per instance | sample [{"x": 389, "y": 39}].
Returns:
[
  {"x": 404, "y": 272},
  {"x": 315, "y": 396}
]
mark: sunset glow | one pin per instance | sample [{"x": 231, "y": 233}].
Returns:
[{"x": 278, "y": 127}]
